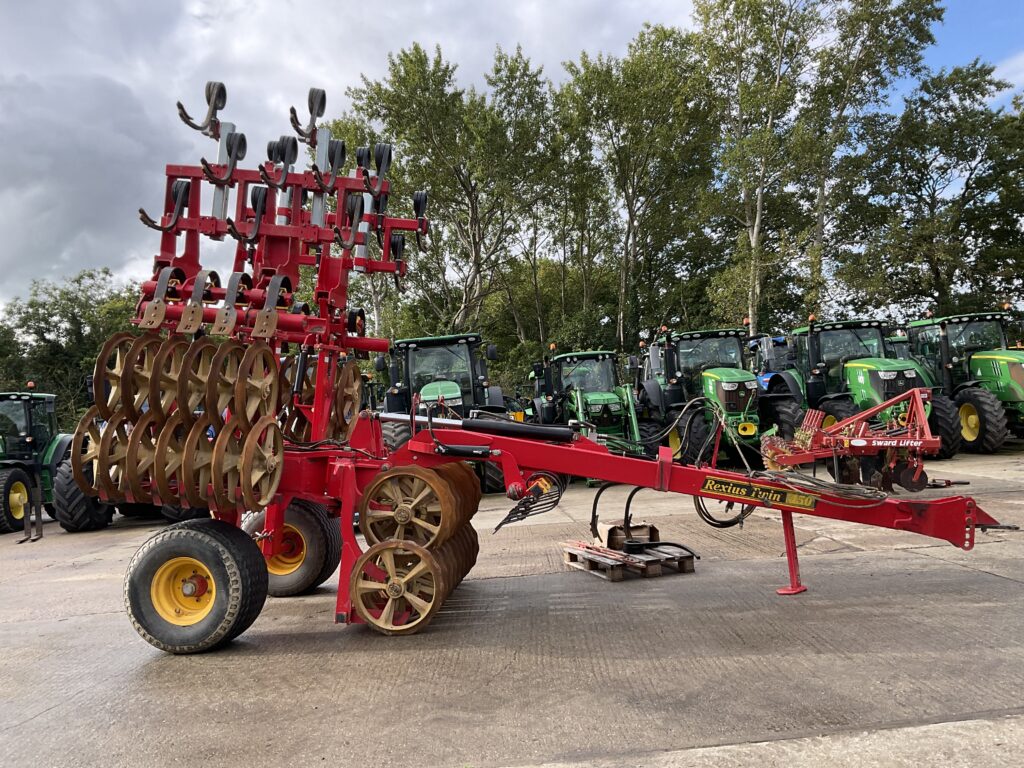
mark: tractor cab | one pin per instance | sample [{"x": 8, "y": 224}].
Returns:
[
  {"x": 898, "y": 346},
  {"x": 441, "y": 368},
  {"x": 969, "y": 357},
  {"x": 28, "y": 423},
  {"x": 768, "y": 354}
]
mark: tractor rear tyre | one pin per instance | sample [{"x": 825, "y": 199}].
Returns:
[
  {"x": 492, "y": 479},
  {"x": 982, "y": 420},
  {"x": 696, "y": 441},
  {"x": 396, "y": 434},
  {"x": 77, "y": 512},
  {"x": 310, "y": 550},
  {"x": 195, "y": 586},
  {"x": 944, "y": 422},
  {"x": 787, "y": 415},
  {"x": 650, "y": 432},
  {"x": 837, "y": 410},
  {"x": 16, "y": 487},
  {"x": 173, "y": 514}
]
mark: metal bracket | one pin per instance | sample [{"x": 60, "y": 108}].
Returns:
[
  {"x": 227, "y": 315},
  {"x": 266, "y": 318},
  {"x": 156, "y": 309},
  {"x": 192, "y": 313}
]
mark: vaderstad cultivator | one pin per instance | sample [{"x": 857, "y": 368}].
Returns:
[{"x": 238, "y": 398}]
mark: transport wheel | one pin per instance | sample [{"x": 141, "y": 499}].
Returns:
[
  {"x": 195, "y": 586},
  {"x": 837, "y": 410},
  {"x": 944, "y": 423},
  {"x": 15, "y": 487},
  {"x": 76, "y": 511},
  {"x": 396, "y": 434},
  {"x": 408, "y": 503},
  {"x": 787, "y": 415},
  {"x": 310, "y": 551},
  {"x": 397, "y": 587},
  {"x": 982, "y": 420}
]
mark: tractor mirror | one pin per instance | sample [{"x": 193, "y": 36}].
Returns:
[
  {"x": 538, "y": 370},
  {"x": 380, "y": 364},
  {"x": 632, "y": 364},
  {"x": 51, "y": 406},
  {"x": 491, "y": 353}
]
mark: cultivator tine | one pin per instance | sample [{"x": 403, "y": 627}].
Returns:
[
  {"x": 354, "y": 208},
  {"x": 216, "y": 99},
  {"x": 179, "y": 198},
  {"x": 283, "y": 152},
  {"x": 258, "y": 202},
  {"x": 317, "y": 103},
  {"x": 233, "y": 149}
]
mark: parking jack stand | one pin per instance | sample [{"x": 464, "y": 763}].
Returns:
[{"x": 795, "y": 586}]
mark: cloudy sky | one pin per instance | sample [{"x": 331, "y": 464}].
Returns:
[{"x": 87, "y": 91}]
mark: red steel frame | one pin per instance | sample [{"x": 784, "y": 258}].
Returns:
[{"x": 335, "y": 475}]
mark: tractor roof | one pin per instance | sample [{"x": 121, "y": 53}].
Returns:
[
  {"x": 710, "y": 334},
  {"x": 594, "y": 354},
  {"x": 969, "y": 317},
  {"x": 438, "y": 341},
  {"x": 838, "y": 325}
]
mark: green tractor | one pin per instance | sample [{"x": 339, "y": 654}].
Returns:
[
  {"x": 443, "y": 369},
  {"x": 898, "y": 347},
  {"x": 31, "y": 448},
  {"x": 585, "y": 387},
  {"x": 967, "y": 355},
  {"x": 679, "y": 368},
  {"x": 841, "y": 368}
]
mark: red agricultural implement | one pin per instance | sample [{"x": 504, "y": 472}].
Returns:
[{"x": 239, "y": 398}]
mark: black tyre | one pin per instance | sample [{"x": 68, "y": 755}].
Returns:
[
  {"x": 786, "y": 414},
  {"x": 650, "y": 434},
  {"x": 944, "y": 423},
  {"x": 51, "y": 511},
  {"x": 492, "y": 479},
  {"x": 696, "y": 441},
  {"x": 982, "y": 420},
  {"x": 310, "y": 552},
  {"x": 139, "y": 511},
  {"x": 173, "y": 514},
  {"x": 837, "y": 410},
  {"x": 195, "y": 586},
  {"x": 75, "y": 511},
  {"x": 396, "y": 434},
  {"x": 16, "y": 487}
]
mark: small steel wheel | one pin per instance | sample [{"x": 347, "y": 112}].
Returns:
[
  {"x": 220, "y": 387},
  {"x": 196, "y": 466},
  {"x": 139, "y": 368},
  {"x": 140, "y": 458},
  {"x": 225, "y": 472},
  {"x": 397, "y": 587},
  {"x": 113, "y": 456},
  {"x": 163, "y": 384},
  {"x": 257, "y": 386},
  {"x": 262, "y": 463},
  {"x": 170, "y": 453},
  {"x": 192, "y": 378},
  {"x": 195, "y": 585},
  {"x": 106, "y": 379},
  {"x": 85, "y": 452},
  {"x": 348, "y": 392},
  {"x": 409, "y": 504}
]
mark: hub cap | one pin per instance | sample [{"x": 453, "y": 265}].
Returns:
[
  {"x": 290, "y": 554},
  {"x": 183, "y": 591},
  {"x": 970, "y": 424},
  {"x": 17, "y": 500}
]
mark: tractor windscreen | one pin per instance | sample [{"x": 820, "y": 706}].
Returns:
[
  {"x": 976, "y": 335},
  {"x": 449, "y": 363},
  {"x": 840, "y": 344},
  {"x": 712, "y": 352},
  {"x": 12, "y": 418},
  {"x": 588, "y": 375}
]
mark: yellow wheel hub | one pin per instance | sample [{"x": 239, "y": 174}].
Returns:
[
  {"x": 17, "y": 500},
  {"x": 183, "y": 591},
  {"x": 290, "y": 554},
  {"x": 828, "y": 421},
  {"x": 970, "y": 424}
]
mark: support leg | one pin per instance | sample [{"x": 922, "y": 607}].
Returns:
[
  {"x": 795, "y": 586},
  {"x": 350, "y": 551}
]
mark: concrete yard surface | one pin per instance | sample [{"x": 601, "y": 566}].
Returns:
[{"x": 904, "y": 651}]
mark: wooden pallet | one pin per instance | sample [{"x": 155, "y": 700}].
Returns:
[{"x": 613, "y": 565}]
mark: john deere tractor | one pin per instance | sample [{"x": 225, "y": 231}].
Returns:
[
  {"x": 840, "y": 368},
  {"x": 448, "y": 369},
  {"x": 682, "y": 367},
  {"x": 30, "y": 450},
  {"x": 585, "y": 387},
  {"x": 967, "y": 355}
]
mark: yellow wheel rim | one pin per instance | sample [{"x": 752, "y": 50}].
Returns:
[
  {"x": 183, "y": 591},
  {"x": 970, "y": 424},
  {"x": 828, "y": 421},
  {"x": 17, "y": 500},
  {"x": 292, "y": 552}
]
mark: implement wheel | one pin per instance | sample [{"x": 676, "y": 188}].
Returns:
[
  {"x": 310, "y": 551},
  {"x": 982, "y": 420},
  {"x": 397, "y": 587},
  {"x": 15, "y": 499},
  {"x": 408, "y": 503},
  {"x": 195, "y": 586}
]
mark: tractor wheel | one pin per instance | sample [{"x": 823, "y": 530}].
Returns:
[
  {"x": 982, "y": 420},
  {"x": 944, "y": 422},
  {"x": 16, "y": 502},
  {"x": 195, "y": 586},
  {"x": 650, "y": 431},
  {"x": 837, "y": 410},
  {"x": 396, "y": 434},
  {"x": 77, "y": 512},
  {"x": 696, "y": 441},
  {"x": 139, "y": 511},
  {"x": 51, "y": 511},
  {"x": 492, "y": 479},
  {"x": 787, "y": 415},
  {"x": 310, "y": 552},
  {"x": 173, "y": 514}
]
